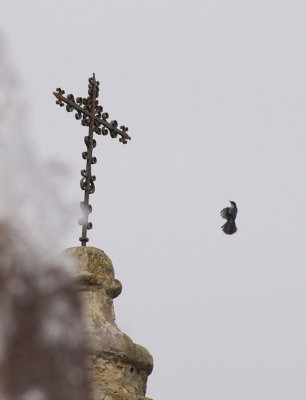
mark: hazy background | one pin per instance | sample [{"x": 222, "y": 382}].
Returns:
[{"x": 213, "y": 93}]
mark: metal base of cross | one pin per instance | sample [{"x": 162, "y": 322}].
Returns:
[{"x": 83, "y": 240}]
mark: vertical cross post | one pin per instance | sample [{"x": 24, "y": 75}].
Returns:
[{"x": 91, "y": 114}]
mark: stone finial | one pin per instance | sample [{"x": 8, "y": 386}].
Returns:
[{"x": 118, "y": 368}]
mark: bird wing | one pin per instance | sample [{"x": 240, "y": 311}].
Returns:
[{"x": 225, "y": 213}]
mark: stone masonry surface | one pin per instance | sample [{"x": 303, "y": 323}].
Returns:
[{"x": 118, "y": 368}]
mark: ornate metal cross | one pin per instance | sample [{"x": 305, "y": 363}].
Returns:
[{"x": 91, "y": 114}]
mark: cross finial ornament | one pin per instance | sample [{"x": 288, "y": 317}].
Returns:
[{"x": 91, "y": 114}]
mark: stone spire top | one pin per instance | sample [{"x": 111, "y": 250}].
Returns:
[{"x": 118, "y": 367}]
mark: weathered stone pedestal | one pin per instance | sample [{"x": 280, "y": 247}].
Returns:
[{"x": 118, "y": 368}]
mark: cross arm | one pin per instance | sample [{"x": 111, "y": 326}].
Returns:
[{"x": 99, "y": 118}]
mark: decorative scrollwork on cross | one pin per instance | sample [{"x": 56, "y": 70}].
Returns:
[{"x": 91, "y": 114}]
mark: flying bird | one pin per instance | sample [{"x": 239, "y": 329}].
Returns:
[{"x": 229, "y": 213}]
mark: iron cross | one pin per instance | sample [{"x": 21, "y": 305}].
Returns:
[{"x": 91, "y": 114}]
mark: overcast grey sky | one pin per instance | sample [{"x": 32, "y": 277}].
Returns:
[{"x": 213, "y": 93}]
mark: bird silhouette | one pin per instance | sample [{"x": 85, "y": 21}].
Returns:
[{"x": 229, "y": 213}]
